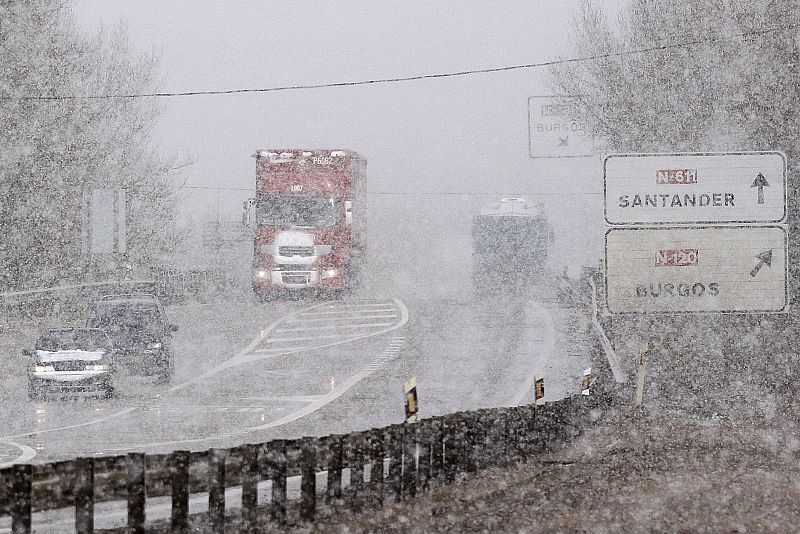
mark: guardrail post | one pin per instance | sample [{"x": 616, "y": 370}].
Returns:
[
  {"x": 507, "y": 452},
  {"x": 355, "y": 459},
  {"x": 249, "y": 487},
  {"x": 83, "y": 491},
  {"x": 334, "y": 487},
  {"x": 423, "y": 439},
  {"x": 529, "y": 430},
  {"x": 21, "y": 509},
  {"x": 179, "y": 475},
  {"x": 450, "y": 446},
  {"x": 437, "y": 452},
  {"x": 136, "y": 492},
  {"x": 393, "y": 438},
  {"x": 277, "y": 467},
  {"x": 376, "y": 449},
  {"x": 482, "y": 439},
  {"x": 216, "y": 490},
  {"x": 409, "y": 461},
  {"x": 308, "y": 482}
]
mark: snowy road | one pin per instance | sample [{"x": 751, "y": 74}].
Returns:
[{"x": 252, "y": 372}]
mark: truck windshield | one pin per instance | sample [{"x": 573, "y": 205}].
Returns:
[{"x": 295, "y": 210}]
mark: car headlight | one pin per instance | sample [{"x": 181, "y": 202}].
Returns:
[
  {"x": 156, "y": 345},
  {"x": 329, "y": 273},
  {"x": 97, "y": 367},
  {"x": 261, "y": 273},
  {"x": 39, "y": 368}
]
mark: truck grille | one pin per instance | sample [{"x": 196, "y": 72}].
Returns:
[
  {"x": 69, "y": 366},
  {"x": 295, "y": 251},
  {"x": 291, "y": 267}
]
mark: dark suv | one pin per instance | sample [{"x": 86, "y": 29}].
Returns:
[{"x": 139, "y": 330}]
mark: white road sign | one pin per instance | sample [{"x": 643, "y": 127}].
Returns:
[
  {"x": 743, "y": 187},
  {"x": 556, "y": 129},
  {"x": 699, "y": 269}
]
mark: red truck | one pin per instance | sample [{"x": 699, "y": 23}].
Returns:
[{"x": 310, "y": 220}]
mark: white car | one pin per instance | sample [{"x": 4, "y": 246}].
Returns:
[{"x": 71, "y": 360}]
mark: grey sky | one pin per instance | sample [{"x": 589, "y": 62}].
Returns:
[{"x": 458, "y": 135}]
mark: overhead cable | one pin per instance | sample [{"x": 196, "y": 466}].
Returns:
[{"x": 596, "y": 57}]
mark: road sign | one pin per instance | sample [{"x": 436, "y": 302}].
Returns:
[
  {"x": 697, "y": 269},
  {"x": 727, "y": 187},
  {"x": 556, "y": 129}
]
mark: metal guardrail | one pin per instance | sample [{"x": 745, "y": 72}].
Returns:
[
  {"x": 387, "y": 464},
  {"x": 171, "y": 286}
]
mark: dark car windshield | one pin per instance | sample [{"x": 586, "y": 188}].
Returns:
[
  {"x": 88, "y": 340},
  {"x": 145, "y": 315},
  {"x": 295, "y": 210}
]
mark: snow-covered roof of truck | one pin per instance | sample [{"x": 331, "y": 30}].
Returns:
[
  {"x": 513, "y": 206},
  {"x": 284, "y": 155}
]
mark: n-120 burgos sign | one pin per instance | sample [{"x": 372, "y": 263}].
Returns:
[
  {"x": 696, "y": 269},
  {"x": 740, "y": 187}
]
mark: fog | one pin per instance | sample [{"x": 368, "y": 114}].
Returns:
[{"x": 434, "y": 147}]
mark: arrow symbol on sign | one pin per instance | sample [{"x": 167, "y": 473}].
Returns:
[
  {"x": 760, "y": 182},
  {"x": 765, "y": 258}
]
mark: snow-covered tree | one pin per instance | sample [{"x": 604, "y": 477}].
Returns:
[
  {"x": 705, "y": 75},
  {"x": 52, "y": 151}
]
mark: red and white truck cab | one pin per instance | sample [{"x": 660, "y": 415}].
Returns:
[{"x": 310, "y": 220}]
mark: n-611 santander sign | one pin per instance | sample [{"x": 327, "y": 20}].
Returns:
[{"x": 725, "y": 187}]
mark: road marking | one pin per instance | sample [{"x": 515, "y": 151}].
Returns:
[
  {"x": 332, "y": 327},
  {"x": 310, "y": 408},
  {"x": 25, "y": 454},
  {"x": 278, "y": 349},
  {"x": 348, "y": 318},
  {"x": 241, "y": 358}
]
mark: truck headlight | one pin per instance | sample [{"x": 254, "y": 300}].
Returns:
[
  {"x": 39, "y": 368},
  {"x": 97, "y": 367},
  {"x": 329, "y": 273},
  {"x": 261, "y": 273}
]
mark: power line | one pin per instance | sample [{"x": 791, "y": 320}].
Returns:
[
  {"x": 607, "y": 55},
  {"x": 401, "y": 193}
]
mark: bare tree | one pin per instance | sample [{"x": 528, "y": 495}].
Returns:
[
  {"x": 678, "y": 75},
  {"x": 53, "y": 150}
]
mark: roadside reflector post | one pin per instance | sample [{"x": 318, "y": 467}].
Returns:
[
  {"x": 412, "y": 407},
  {"x": 538, "y": 389},
  {"x": 586, "y": 382},
  {"x": 639, "y": 394}
]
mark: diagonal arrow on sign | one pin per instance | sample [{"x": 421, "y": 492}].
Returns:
[
  {"x": 760, "y": 182},
  {"x": 765, "y": 258}
]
